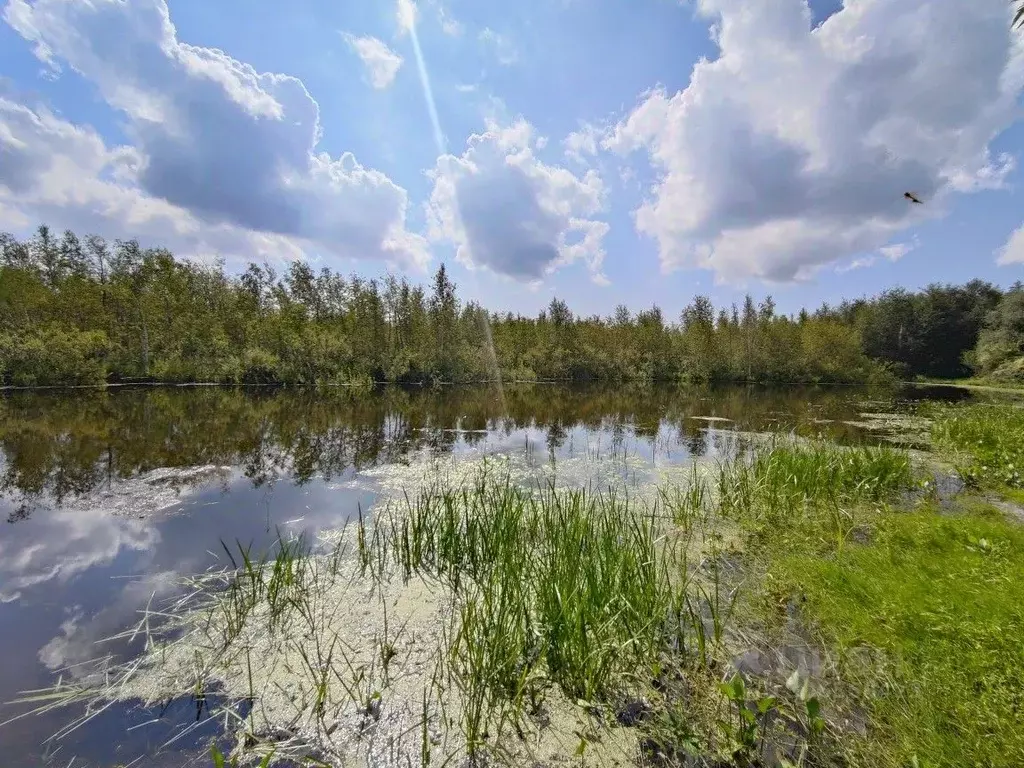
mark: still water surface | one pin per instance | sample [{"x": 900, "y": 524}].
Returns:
[{"x": 111, "y": 497}]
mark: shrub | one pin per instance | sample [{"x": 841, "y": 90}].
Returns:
[{"x": 51, "y": 356}]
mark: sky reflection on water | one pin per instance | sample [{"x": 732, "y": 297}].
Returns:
[{"x": 112, "y": 497}]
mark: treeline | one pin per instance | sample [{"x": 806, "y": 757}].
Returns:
[{"x": 83, "y": 311}]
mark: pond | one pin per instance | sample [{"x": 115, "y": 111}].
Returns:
[{"x": 111, "y": 497}]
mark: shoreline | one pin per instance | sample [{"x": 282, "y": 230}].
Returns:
[
  {"x": 481, "y": 382},
  {"x": 965, "y": 384}
]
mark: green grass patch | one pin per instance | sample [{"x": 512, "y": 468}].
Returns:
[
  {"x": 923, "y": 609},
  {"x": 943, "y": 597},
  {"x": 985, "y": 442},
  {"x": 809, "y": 496}
]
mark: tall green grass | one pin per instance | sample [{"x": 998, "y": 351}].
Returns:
[
  {"x": 566, "y": 588},
  {"x": 827, "y": 473},
  {"x": 791, "y": 493},
  {"x": 985, "y": 441}
]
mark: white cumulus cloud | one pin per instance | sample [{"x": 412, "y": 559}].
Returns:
[
  {"x": 382, "y": 64},
  {"x": 794, "y": 147},
  {"x": 1012, "y": 251},
  {"x": 54, "y": 171},
  {"x": 506, "y": 210},
  {"x": 897, "y": 251},
  {"x": 218, "y": 151},
  {"x": 583, "y": 143}
]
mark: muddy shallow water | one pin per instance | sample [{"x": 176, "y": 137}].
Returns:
[{"x": 110, "y": 498}]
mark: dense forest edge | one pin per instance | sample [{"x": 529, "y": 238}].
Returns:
[{"x": 83, "y": 311}]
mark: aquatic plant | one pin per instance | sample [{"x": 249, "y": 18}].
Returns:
[
  {"x": 985, "y": 441},
  {"x": 544, "y": 596},
  {"x": 566, "y": 588}
]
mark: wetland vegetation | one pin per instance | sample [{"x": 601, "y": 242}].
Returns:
[
  {"x": 782, "y": 581},
  {"x": 537, "y": 576}
]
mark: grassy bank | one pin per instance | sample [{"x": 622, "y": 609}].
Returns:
[
  {"x": 979, "y": 383},
  {"x": 916, "y": 606},
  {"x": 806, "y": 604},
  {"x": 925, "y": 622}
]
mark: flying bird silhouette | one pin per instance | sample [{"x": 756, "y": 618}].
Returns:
[{"x": 912, "y": 198}]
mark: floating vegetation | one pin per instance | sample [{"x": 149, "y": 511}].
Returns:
[
  {"x": 899, "y": 428},
  {"x": 477, "y": 617},
  {"x": 490, "y": 611}
]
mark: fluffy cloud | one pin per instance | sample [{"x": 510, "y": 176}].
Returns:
[
  {"x": 582, "y": 143},
  {"x": 218, "y": 148},
  {"x": 1013, "y": 251},
  {"x": 506, "y": 210},
  {"x": 794, "y": 147},
  {"x": 382, "y": 64},
  {"x": 54, "y": 171}
]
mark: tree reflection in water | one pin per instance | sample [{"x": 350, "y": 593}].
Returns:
[{"x": 57, "y": 446}]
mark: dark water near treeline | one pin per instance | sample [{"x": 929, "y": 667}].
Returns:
[{"x": 108, "y": 498}]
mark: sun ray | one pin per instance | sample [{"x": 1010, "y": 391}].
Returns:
[{"x": 407, "y": 17}]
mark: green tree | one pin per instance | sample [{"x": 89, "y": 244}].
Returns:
[
  {"x": 1000, "y": 351},
  {"x": 444, "y": 309},
  {"x": 78, "y": 310}
]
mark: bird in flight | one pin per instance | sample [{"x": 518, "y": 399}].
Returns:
[{"x": 912, "y": 198}]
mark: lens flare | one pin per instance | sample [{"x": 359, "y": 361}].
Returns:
[{"x": 407, "y": 17}]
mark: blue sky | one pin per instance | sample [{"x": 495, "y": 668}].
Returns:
[{"x": 623, "y": 151}]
